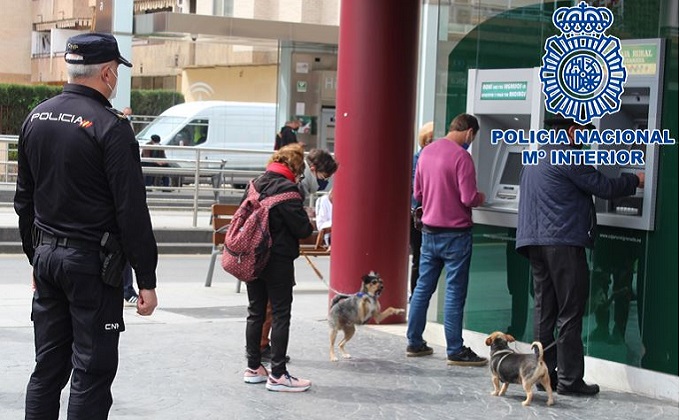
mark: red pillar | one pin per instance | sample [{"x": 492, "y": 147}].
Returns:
[{"x": 375, "y": 117}]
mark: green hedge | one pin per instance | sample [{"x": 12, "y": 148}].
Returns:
[
  {"x": 153, "y": 102},
  {"x": 16, "y": 101}
]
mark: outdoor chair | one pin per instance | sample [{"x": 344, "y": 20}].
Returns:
[{"x": 220, "y": 215}]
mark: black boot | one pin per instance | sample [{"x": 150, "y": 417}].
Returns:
[{"x": 579, "y": 389}]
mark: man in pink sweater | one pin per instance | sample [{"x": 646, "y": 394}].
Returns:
[{"x": 445, "y": 184}]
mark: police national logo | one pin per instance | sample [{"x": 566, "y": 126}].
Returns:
[{"x": 583, "y": 72}]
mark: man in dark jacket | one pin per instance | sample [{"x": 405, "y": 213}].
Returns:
[
  {"x": 155, "y": 154},
  {"x": 555, "y": 224},
  {"x": 287, "y": 134}
]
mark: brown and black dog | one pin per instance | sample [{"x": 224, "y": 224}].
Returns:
[
  {"x": 349, "y": 310},
  {"x": 510, "y": 367}
]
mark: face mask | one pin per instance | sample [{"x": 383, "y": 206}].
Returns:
[
  {"x": 466, "y": 145},
  {"x": 114, "y": 89},
  {"x": 322, "y": 183}
]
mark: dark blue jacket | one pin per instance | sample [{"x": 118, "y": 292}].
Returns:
[
  {"x": 414, "y": 203},
  {"x": 556, "y": 203}
]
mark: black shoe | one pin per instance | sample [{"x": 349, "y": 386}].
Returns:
[
  {"x": 466, "y": 357},
  {"x": 266, "y": 356},
  {"x": 580, "y": 389},
  {"x": 422, "y": 350},
  {"x": 131, "y": 300}
]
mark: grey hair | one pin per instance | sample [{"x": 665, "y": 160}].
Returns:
[{"x": 83, "y": 71}]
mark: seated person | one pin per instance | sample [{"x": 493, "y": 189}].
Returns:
[
  {"x": 201, "y": 135},
  {"x": 155, "y": 154},
  {"x": 324, "y": 214}
]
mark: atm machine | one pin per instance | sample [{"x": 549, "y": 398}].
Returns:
[
  {"x": 512, "y": 99},
  {"x": 640, "y": 109},
  {"x": 327, "y": 129}
]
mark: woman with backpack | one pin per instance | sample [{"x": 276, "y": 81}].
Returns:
[{"x": 288, "y": 223}]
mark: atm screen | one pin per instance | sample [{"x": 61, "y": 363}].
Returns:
[{"x": 512, "y": 169}]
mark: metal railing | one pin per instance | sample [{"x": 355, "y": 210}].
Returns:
[
  {"x": 198, "y": 182},
  {"x": 8, "y": 159}
]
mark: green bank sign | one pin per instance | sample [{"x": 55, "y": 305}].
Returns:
[
  {"x": 504, "y": 91},
  {"x": 640, "y": 59}
]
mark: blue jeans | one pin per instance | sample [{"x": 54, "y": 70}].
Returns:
[{"x": 450, "y": 250}]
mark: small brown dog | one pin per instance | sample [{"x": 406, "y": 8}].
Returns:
[
  {"x": 510, "y": 367},
  {"x": 349, "y": 310}
]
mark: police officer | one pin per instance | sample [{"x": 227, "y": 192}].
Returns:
[{"x": 80, "y": 181}]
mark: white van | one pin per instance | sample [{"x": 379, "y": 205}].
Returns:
[{"x": 217, "y": 124}]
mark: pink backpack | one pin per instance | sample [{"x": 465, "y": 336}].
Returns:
[{"x": 247, "y": 243}]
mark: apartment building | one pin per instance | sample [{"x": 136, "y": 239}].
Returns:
[
  {"x": 15, "y": 42},
  {"x": 35, "y": 34}
]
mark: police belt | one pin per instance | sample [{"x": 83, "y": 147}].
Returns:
[{"x": 45, "y": 238}]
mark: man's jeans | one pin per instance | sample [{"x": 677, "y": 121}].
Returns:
[{"x": 450, "y": 250}]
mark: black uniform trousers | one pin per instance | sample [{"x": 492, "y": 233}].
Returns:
[
  {"x": 77, "y": 321},
  {"x": 275, "y": 283},
  {"x": 561, "y": 280}
]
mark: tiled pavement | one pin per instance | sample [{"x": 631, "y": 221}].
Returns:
[{"x": 186, "y": 362}]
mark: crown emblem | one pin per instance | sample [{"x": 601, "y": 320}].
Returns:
[
  {"x": 583, "y": 72},
  {"x": 583, "y": 20}
]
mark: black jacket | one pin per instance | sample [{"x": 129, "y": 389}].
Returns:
[
  {"x": 284, "y": 137},
  {"x": 80, "y": 176},
  {"x": 556, "y": 202},
  {"x": 288, "y": 221}
]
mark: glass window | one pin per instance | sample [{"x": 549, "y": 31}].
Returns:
[
  {"x": 224, "y": 8},
  {"x": 511, "y": 34}
]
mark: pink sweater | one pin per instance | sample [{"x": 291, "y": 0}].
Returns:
[{"x": 446, "y": 184}]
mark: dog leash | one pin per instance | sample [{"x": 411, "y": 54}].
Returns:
[
  {"x": 554, "y": 343},
  {"x": 551, "y": 345},
  {"x": 323, "y": 280},
  {"x": 335, "y": 291},
  {"x": 320, "y": 276}
]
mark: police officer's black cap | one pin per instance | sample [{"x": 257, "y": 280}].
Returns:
[
  {"x": 93, "y": 48},
  {"x": 558, "y": 121}
]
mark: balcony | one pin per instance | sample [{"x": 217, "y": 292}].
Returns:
[
  {"x": 78, "y": 23},
  {"x": 149, "y": 6}
]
